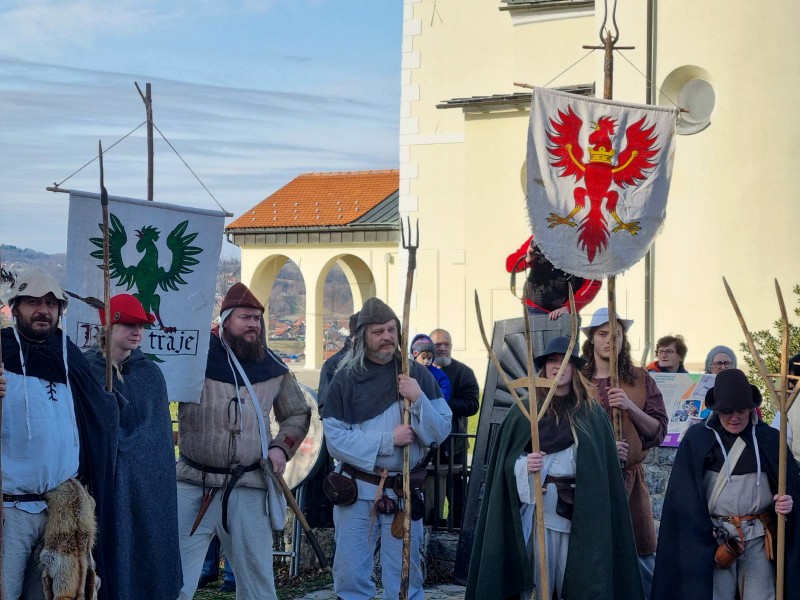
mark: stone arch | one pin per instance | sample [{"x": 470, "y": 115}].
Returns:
[
  {"x": 265, "y": 275},
  {"x": 362, "y": 284},
  {"x": 359, "y": 275}
]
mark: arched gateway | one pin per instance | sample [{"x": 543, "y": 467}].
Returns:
[{"x": 318, "y": 220}]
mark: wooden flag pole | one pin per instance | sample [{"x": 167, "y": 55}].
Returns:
[
  {"x": 106, "y": 277},
  {"x": 147, "y": 98},
  {"x": 609, "y": 45}
]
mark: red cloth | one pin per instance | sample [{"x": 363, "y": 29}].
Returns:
[{"x": 583, "y": 295}]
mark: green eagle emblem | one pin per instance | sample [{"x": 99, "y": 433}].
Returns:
[{"x": 147, "y": 275}]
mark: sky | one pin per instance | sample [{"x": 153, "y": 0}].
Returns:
[{"x": 250, "y": 92}]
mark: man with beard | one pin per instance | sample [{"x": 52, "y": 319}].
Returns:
[
  {"x": 463, "y": 403},
  {"x": 225, "y": 445},
  {"x": 364, "y": 431},
  {"x": 58, "y": 424}
]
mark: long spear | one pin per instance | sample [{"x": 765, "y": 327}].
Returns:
[
  {"x": 411, "y": 246},
  {"x": 783, "y": 404},
  {"x": 106, "y": 277},
  {"x": 2, "y": 533}
]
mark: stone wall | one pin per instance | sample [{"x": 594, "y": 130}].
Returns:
[{"x": 657, "y": 468}]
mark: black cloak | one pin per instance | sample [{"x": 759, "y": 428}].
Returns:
[
  {"x": 97, "y": 416},
  {"x": 685, "y": 555}
]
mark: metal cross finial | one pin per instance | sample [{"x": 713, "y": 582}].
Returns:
[{"x": 411, "y": 245}]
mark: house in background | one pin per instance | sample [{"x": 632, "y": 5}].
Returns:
[
  {"x": 318, "y": 220},
  {"x": 733, "y": 204}
]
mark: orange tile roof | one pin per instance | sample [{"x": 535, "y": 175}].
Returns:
[{"x": 321, "y": 199}]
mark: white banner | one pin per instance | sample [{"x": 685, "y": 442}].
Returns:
[
  {"x": 598, "y": 180},
  {"x": 166, "y": 256}
]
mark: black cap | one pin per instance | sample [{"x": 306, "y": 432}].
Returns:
[
  {"x": 732, "y": 391},
  {"x": 559, "y": 345},
  {"x": 375, "y": 311}
]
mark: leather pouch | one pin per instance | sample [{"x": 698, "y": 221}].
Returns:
[
  {"x": 340, "y": 489},
  {"x": 417, "y": 480},
  {"x": 728, "y": 551},
  {"x": 566, "y": 501}
]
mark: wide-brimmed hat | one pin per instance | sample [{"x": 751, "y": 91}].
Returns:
[
  {"x": 732, "y": 391},
  {"x": 600, "y": 317},
  {"x": 127, "y": 309},
  {"x": 559, "y": 345},
  {"x": 37, "y": 283}
]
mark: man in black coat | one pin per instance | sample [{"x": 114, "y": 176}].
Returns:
[
  {"x": 463, "y": 403},
  {"x": 688, "y": 538}
]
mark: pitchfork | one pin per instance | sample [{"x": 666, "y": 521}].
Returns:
[{"x": 411, "y": 246}]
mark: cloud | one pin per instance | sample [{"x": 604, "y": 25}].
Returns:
[{"x": 243, "y": 143}]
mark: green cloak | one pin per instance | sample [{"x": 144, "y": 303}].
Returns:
[{"x": 601, "y": 560}]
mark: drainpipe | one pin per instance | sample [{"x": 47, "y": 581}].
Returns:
[{"x": 650, "y": 257}]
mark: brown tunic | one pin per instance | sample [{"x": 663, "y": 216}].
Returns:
[
  {"x": 645, "y": 394},
  {"x": 210, "y": 433}
]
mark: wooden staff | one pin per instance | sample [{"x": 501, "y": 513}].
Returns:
[
  {"x": 312, "y": 539},
  {"x": 532, "y": 382},
  {"x": 782, "y": 455},
  {"x": 781, "y": 403},
  {"x": 106, "y": 277},
  {"x": 2, "y": 532},
  {"x": 411, "y": 246}
]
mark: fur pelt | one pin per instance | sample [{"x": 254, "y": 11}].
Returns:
[{"x": 68, "y": 569}]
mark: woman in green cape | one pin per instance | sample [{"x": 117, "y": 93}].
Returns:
[{"x": 588, "y": 533}]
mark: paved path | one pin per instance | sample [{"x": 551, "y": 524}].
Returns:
[{"x": 439, "y": 592}]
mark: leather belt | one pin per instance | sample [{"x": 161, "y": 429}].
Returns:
[
  {"x": 234, "y": 474},
  {"x": 24, "y": 498},
  {"x": 368, "y": 477}
]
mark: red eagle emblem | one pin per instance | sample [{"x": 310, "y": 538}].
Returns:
[{"x": 632, "y": 168}]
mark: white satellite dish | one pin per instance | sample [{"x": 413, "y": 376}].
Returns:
[{"x": 692, "y": 89}]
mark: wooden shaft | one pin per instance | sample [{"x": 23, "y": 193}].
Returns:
[
  {"x": 2, "y": 531},
  {"x": 616, "y": 414},
  {"x": 405, "y": 569},
  {"x": 782, "y": 453},
  {"x": 608, "y": 93},
  {"x": 106, "y": 277},
  {"x": 762, "y": 368},
  {"x": 608, "y": 66},
  {"x": 149, "y": 108},
  {"x": 535, "y": 447},
  {"x": 312, "y": 539}
]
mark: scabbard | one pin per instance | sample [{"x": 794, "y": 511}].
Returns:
[{"x": 208, "y": 497}]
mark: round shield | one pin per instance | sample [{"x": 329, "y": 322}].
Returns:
[{"x": 304, "y": 462}]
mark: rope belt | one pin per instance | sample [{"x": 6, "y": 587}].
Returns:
[
  {"x": 234, "y": 474},
  {"x": 764, "y": 517},
  {"x": 23, "y": 498}
]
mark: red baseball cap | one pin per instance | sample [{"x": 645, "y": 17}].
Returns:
[{"x": 125, "y": 308}]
